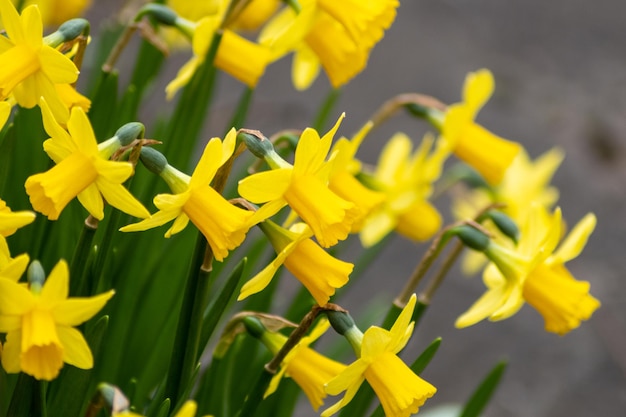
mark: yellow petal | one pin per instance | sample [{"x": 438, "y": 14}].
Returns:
[
  {"x": 91, "y": 199},
  {"x": 265, "y": 186},
  {"x": 59, "y": 136},
  {"x": 57, "y": 67},
  {"x": 119, "y": 197},
  {"x": 12, "y": 22},
  {"x": 31, "y": 20},
  {"x": 15, "y": 300},
  {"x": 56, "y": 288},
  {"x": 261, "y": 280},
  {"x": 188, "y": 409},
  {"x": 351, "y": 376},
  {"x": 208, "y": 164},
  {"x": 489, "y": 302},
  {"x": 157, "y": 219},
  {"x": 12, "y": 349},
  {"x": 575, "y": 240},
  {"x": 75, "y": 348},
  {"x": 81, "y": 131},
  {"x": 478, "y": 87},
  {"x": 392, "y": 158},
  {"x": 305, "y": 67},
  {"x": 75, "y": 311},
  {"x": 241, "y": 58}
]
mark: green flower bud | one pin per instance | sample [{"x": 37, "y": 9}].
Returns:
[
  {"x": 160, "y": 13},
  {"x": 36, "y": 276},
  {"x": 254, "y": 326},
  {"x": 129, "y": 132},
  {"x": 472, "y": 237},
  {"x": 152, "y": 159},
  {"x": 505, "y": 224}
]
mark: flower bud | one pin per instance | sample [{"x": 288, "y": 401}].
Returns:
[{"x": 472, "y": 237}]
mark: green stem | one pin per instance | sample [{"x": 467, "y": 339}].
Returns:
[
  {"x": 80, "y": 256},
  {"x": 193, "y": 105},
  {"x": 321, "y": 119},
  {"x": 188, "y": 331},
  {"x": 422, "y": 267},
  {"x": 426, "y": 296},
  {"x": 103, "y": 253}
]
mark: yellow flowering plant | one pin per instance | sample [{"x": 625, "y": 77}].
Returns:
[{"x": 96, "y": 321}]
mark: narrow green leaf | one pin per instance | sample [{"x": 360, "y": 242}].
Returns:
[
  {"x": 164, "y": 409},
  {"x": 426, "y": 356},
  {"x": 68, "y": 394},
  {"x": 220, "y": 303},
  {"x": 104, "y": 104},
  {"x": 480, "y": 398}
]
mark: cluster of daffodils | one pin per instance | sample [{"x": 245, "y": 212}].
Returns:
[{"x": 305, "y": 192}]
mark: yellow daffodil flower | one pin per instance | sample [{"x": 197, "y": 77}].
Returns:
[
  {"x": 40, "y": 325},
  {"x": 237, "y": 56},
  {"x": 303, "y": 186},
  {"x": 489, "y": 154},
  {"x": 56, "y": 12},
  {"x": 308, "y": 368},
  {"x": 535, "y": 272},
  {"x": 315, "y": 268},
  {"x": 29, "y": 69},
  {"x": 82, "y": 170},
  {"x": 406, "y": 180},
  {"x": 343, "y": 183},
  {"x": 399, "y": 390},
  {"x": 10, "y": 221},
  {"x": 336, "y": 35},
  {"x": 222, "y": 224}
]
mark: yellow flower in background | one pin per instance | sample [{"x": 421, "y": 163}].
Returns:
[
  {"x": 308, "y": 368},
  {"x": 222, "y": 224},
  {"x": 525, "y": 183},
  {"x": 237, "y": 56},
  {"x": 343, "y": 183},
  {"x": 10, "y": 221},
  {"x": 29, "y": 69},
  {"x": 335, "y": 35},
  {"x": 406, "y": 180},
  {"x": 315, "y": 268},
  {"x": 489, "y": 154},
  {"x": 399, "y": 390},
  {"x": 303, "y": 186},
  {"x": 40, "y": 322},
  {"x": 56, "y": 12},
  {"x": 255, "y": 14},
  {"x": 535, "y": 272},
  {"x": 82, "y": 170}
]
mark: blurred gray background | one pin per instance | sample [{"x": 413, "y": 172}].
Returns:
[{"x": 560, "y": 70}]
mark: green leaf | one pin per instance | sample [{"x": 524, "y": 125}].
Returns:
[
  {"x": 480, "y": 398},
  {"x": 427, "y": 355},
  {"x": 220, "y": 303},
  {"x": 68, "y": 393},
  {"x": 164, "y": 409}
]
